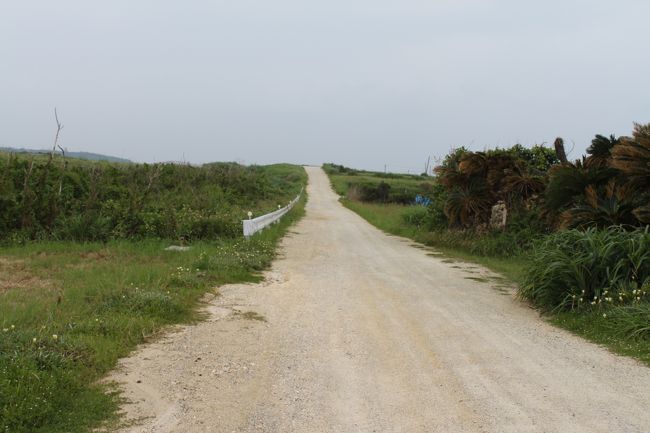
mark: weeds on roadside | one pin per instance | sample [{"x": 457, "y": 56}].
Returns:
[{"x": 572, "y": 269}]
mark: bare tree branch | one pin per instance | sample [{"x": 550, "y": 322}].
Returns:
[{"x": 59, "y": 127}]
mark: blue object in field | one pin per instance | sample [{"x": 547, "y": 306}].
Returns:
[{"x": 422, "y": 200}]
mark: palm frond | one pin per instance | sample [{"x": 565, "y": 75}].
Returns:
[
  {"x": 611, "y": 205},
  {"x": 600, "y": 151},
  {"x": 468, "y": 205}
]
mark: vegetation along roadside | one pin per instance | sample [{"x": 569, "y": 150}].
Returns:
[
  {"x": 85, "y": 275},
  {"x": 573, "y": 235}
]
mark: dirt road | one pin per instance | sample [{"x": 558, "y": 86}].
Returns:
[{"x": 363, "y": 332}]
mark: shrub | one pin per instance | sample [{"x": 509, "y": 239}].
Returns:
[
  {"x": 214, "y": 227},
  {"x": 491, "y": 243},
  {"x": 382, "y": 191},
  {"x": 370, "y": 192},
  {"x": 96, "y": 201},
  {"x": 415, "y": 216},
  {"x": 577, "y": 268}
]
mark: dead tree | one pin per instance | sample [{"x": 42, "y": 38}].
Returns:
[
  {"x": 59, "y": 127},
  {"x": 559, "y": 150},
  {"x": 52, "y": 205},
  {"x": 46, "y": 169}
]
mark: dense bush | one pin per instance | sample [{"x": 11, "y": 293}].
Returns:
[
  {"x": 370, "y": 192},
  {"x": 475, "y": 181},
  {"x": 522, "y": 230},
  {"x": 610, "y": 186},
  {"x": 57, "y": 198},
  {"x": 574, "y": 268},
  {"x": 339, "y": 169},
  {"x": 386, "y": 191}
]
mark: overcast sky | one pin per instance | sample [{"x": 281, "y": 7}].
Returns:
[{"x": 358, "y": 82}]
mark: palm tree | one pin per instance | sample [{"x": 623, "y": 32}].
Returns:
[
  {"x": 468, "y": 205},
  {"x": 523, "y": 185},
  {"x": 448, "y": 173},
  {"x": 642, "y": 213},
  {"x": 632, "y": 157},
  {"x": 568, "y": 182},
  {"x": 474, "y": 181},
  {"x": 613, "y": 206},
  {"x": 600, "y": 151},
  {"x": 474, "y": 164}
]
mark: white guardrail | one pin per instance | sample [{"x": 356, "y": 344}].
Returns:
[{"x": 254, "y": 225}]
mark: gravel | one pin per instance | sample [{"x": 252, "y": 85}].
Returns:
[{"x": 365, "y": 333}]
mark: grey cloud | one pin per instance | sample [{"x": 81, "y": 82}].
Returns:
[{"x": 364, "y": 83}]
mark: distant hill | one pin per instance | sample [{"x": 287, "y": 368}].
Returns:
[{"x": 80, "y": 155}]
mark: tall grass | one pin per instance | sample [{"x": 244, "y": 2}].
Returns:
[
  {"x": 489, "y": 244},
  {"x": 596, "y": 268}
]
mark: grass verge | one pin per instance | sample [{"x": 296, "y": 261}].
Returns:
[
  {"x": 609, "y": 330},
  {"x": 68, "y": 311}
]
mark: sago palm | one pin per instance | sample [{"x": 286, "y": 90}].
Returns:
[
  {"x": 468, "y": 205},
  {"x": 567, "y": 183},
  {"x": 600, "y": 151},
  {"x": 522, "y": 185},
  {"x": 632, "y": 156},
  {"x": 602, "y": 208}
]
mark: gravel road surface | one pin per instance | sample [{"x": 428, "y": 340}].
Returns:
[{"x": 365, "y": 332}]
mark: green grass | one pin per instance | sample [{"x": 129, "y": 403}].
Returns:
[
  {"x": 577, "y": 268},
  {"x": 610, "y": 330},
  {"x": 387, "y": 217},
  {"x": 340, "y": 183},
  {"x": 358, "y": 184},
  {"x": 68, "y": 311}
]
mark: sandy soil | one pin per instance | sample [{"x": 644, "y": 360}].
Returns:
[{"x": 366, "y": 333}]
